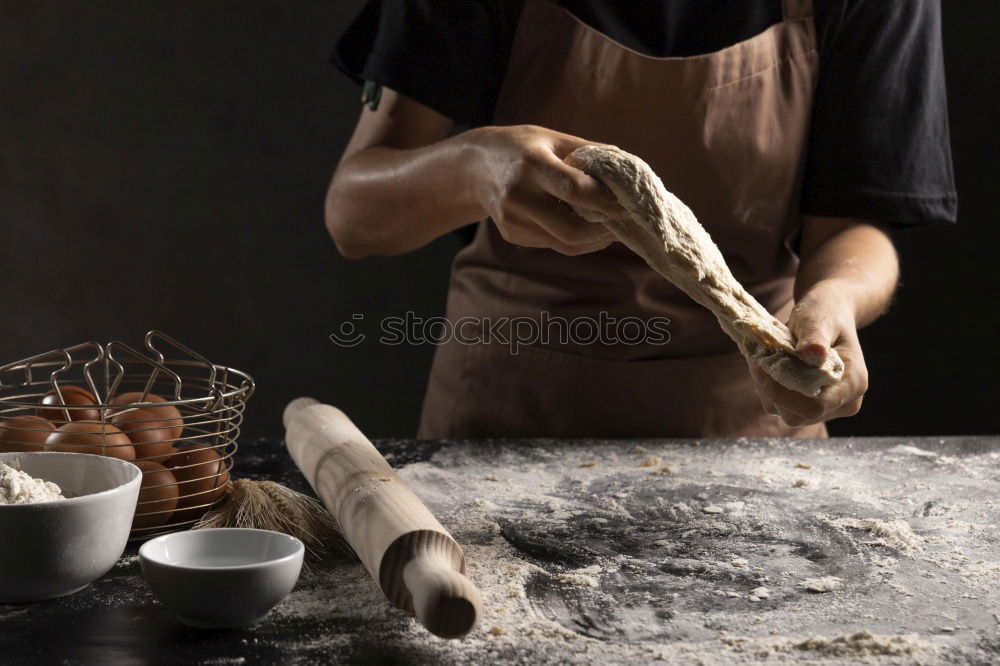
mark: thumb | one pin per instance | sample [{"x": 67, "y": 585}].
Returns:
[
  {"x": 579, "y": 189},
  {"x": 563, "y": 144},
  {"x": 814, "y": 333}
]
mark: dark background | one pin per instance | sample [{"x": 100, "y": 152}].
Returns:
[{"x": 163, "y": 165}]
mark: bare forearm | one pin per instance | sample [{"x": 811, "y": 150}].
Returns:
[
  {"x": 389, "y": 201},
  {"x": 854, "y": 264}
]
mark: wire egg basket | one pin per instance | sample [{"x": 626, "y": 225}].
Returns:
[{"x": 168, "y": 409}]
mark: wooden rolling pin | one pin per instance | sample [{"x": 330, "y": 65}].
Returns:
[{"x": 418, "y": 565}]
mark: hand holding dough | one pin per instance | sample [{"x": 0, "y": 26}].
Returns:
[{"x": 664, "y": 232}]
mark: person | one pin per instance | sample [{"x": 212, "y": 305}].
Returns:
[{"x": 802, "y": 134}]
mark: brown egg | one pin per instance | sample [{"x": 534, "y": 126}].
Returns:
[
  {"x": 168, "y": 413},
  {"x": 157, "y": 495},
  {"x": 149, "y": 434},
  {"x": 201, "y": 477},
  {"x": 91, "y": 437},
  {"x": 71, "y": 395},
  {"x": 24, "y": 433}
]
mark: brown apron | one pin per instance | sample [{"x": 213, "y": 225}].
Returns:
[{"x": 726, "y": 132}]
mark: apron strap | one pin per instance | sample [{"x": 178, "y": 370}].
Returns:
[{"x": 796, "y": 9}]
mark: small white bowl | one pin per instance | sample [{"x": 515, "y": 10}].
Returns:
[
  {"x": 51, "y": 549},
  {"x": 221, "y": 578}
]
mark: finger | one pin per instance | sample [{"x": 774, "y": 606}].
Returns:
[
  {"x": 576, "y": 188},
  {"x": 761, "y": 381},
  {"x": 807, "y": 409},
  {"x": 815, "y": 333},
  {"x": 848, "y": 409},
  {"x": 577, "y": 250},
  {"x": 558, "y": 219},
  {"x": 767, "y": 405},
  {"x": 758, "y": 376},
  {"x": 563, "y": 144},
  {"x": 525, "y": 233},
  {"x": 854, "y": 383},
  {"x": 792, "y": 419}
]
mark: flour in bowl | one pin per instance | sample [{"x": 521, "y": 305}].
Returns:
[{"x": 17, "y": 487}]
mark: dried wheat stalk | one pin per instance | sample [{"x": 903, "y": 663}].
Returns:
[{"x": 267, "y": 505}]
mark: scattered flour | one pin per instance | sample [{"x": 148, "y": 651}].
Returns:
[
  {"x": 17, "y": 487},
  {"x": 858, "y": 645},
  {"x": 911, "y": 450},
  {"x": 822, "y": 584},
  {"x": 127, "y": 561},
  {"x": 580, "y": 563},
  {"x": 897, "y": 533},
  {"x": 884, "y": 562},
  {"x": 584, "y": 576}
]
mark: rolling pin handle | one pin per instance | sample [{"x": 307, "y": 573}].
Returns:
[
  {"x": 411, "y": 556},
  {"x": 444, "y": 601},
  {"x": 294, "y": 407}
]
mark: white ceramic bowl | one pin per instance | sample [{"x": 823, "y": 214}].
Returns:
[
  {"x": 51, "y": 549},
  {"x": 221, "y": 578}
]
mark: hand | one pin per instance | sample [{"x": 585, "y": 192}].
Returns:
[
  {"x": 527, "y": 189},
  {"x": 820, "y": 320}
]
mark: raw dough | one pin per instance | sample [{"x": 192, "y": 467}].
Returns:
[{"x": 665, "y": 233}]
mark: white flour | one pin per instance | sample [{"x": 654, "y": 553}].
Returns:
[
  {"x": 858, "y": 646},
  {"x": 588, "y": 556},
  {"x": 896, "y": 533},
  {"x": 17, "y": 487},
  {"x": 824, "y": 584}
]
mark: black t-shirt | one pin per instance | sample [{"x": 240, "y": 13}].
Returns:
[{"x": 878, "y": 145}]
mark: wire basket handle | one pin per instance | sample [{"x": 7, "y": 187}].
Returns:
[
  {"x": 61, "y": 357},
  {"x": 200, "y": 360},
  {"x": 88, "y": 369},
  {"x": 27, "y": 364},
  {"x": 116, "y": 356}
]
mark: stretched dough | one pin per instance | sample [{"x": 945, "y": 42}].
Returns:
[{"x": 665, "y": 233}]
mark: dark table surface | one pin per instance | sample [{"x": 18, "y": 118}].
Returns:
[{"x": 623, "y": 559}]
